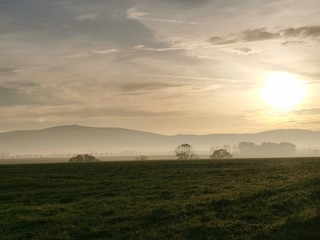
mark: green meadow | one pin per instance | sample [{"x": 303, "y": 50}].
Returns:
[{"x": 199, "y": 199}]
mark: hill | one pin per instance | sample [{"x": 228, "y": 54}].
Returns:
[{"x": 81, "y": 139}]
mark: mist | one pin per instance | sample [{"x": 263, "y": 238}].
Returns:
[{"x": 65, "y": 141}]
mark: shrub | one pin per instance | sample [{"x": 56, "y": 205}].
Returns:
[
  {"x": 84, "y": 158},
  {"x": 220, "y": 154}
]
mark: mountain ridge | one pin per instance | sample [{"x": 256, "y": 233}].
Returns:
[
  {"x": 83, "y": 139},
  {"x": 134, "y": 130}
]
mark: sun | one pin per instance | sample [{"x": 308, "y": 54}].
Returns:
[{"x": 283, "y": 91}]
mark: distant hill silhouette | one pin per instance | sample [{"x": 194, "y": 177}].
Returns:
[{"x": 81, "y": 139}]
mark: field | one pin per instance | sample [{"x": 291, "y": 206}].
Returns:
[{"x": 203, "y": 199}]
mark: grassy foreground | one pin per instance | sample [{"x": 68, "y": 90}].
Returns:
[{"x": 233, "y": 199}]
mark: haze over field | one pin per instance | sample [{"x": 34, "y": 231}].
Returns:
[
  {"x": 169, "y": 67},
  {"x": 106, "y": 141}
]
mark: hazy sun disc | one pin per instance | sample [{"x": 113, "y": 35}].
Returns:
[{"x": 283, "y": 91}]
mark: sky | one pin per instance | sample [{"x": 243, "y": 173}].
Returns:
[{"x": 169, "y": 66}]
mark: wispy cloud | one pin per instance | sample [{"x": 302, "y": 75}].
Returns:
[
  {"x": 91, "y": 16},
  {"x": 91, "y": 53},
  {"x": 141, "y": 47},
  {"x": 310, "y": 111},
  {"x": 105, "y": 51},
  {"x": 89, "y": 112},
  {"x": 289, "y": 35},
  {"x": 170, "y": 21},
  {"x": 252, "y": 35},
  {"x": 302, "y": 32},
  {"x": 240, "y": 50},
  {"x": 190, "y": 2},
  {"x": 154, "y": 85},
  {"x": 292, "y": 42},
  {"x": 134, "y": 13},
  {"x": 7, "y": 70},
  {"x": 196, "y": 78}
]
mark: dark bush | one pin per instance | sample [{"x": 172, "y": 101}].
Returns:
[
  {"x": 220, "y": 154},
  {"x": 84, "y": 158}
]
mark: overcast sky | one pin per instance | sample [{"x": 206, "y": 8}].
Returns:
[{"x": 169, "y": 66}]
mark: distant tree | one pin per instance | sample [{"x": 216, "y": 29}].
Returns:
[
  {"x": 83, "y": 158},
  {"x": 221, "y": 154},
  {"x": 267, "y": 149},
  {"x": 247, "y": 148},
  {"x": 288, "y": 148},
  {"x": 4, "y": 154},
  {"x": 185, "y": 152},
  {"x": 227, "y": 147},
  {"x": 141, "y": 158}
]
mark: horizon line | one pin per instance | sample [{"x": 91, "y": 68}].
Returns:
[{"x": 178, "y": 134}]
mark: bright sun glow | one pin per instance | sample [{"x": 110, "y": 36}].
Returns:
[{"x": 283, "y": 91}]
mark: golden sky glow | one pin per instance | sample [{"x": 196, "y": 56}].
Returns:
[
  {"x": 283, "y": 91},
  {"x": 171, "y": 66}
]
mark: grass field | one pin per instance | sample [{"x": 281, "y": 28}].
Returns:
[{"x": 232, "y": 199}]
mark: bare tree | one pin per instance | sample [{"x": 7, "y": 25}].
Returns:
[{"x": 185, "y": 152}]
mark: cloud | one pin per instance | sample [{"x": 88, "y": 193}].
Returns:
[
  {"x": 134, "y": 13},
  {"x": 99, "y": 112},
  {"x": 258, "y": 34},
  {"x": 250, "y": 35},
  {"x": 93, "y": 53},
  {"x": 240, "y": 50},
  {"x": 317, "y": 123},
  {"x": 48, "y": 23},
  {"x": 170, "y": 21},
  {"x": 141, "y": 47},
  {"x": 13, "y": 97},
  {"x": 28, "y": 93},
  {"x": 142, "y": 86},
  {"x": 192, "y": 2},
  {"x": 63, "y": 112},
  {"x": 7, "y": 70},
  {"x": 105, "y": 51},
  {"x": 288, "y": 43},
  {"x": 132, "y": 58},
  {"x": 310, "y": 111},
  {"x": 302, "y": 32},
  {"x": 290, "y": 35},
  {"x": 92, "y": 16},
  {"x": 9, "y": 97},
  {"x": 187, "y": 3}
]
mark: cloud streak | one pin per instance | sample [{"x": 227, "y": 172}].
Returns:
[
  {"x": 240, "y": 50},
  {"x": 263, "y": 34},
  {"x": 92, "y": 16},
  {"x": 312, "y": 32},
  {"x": 310, "y": 111},
  {"x": 134, "y": 13},
  {"x": 155, "y": 85}
]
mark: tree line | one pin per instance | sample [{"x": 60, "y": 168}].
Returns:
[
  {"x": 245, "y": 149},
  {"x": 185, "y": 152},
  {"x": 267, "y": 149}
]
